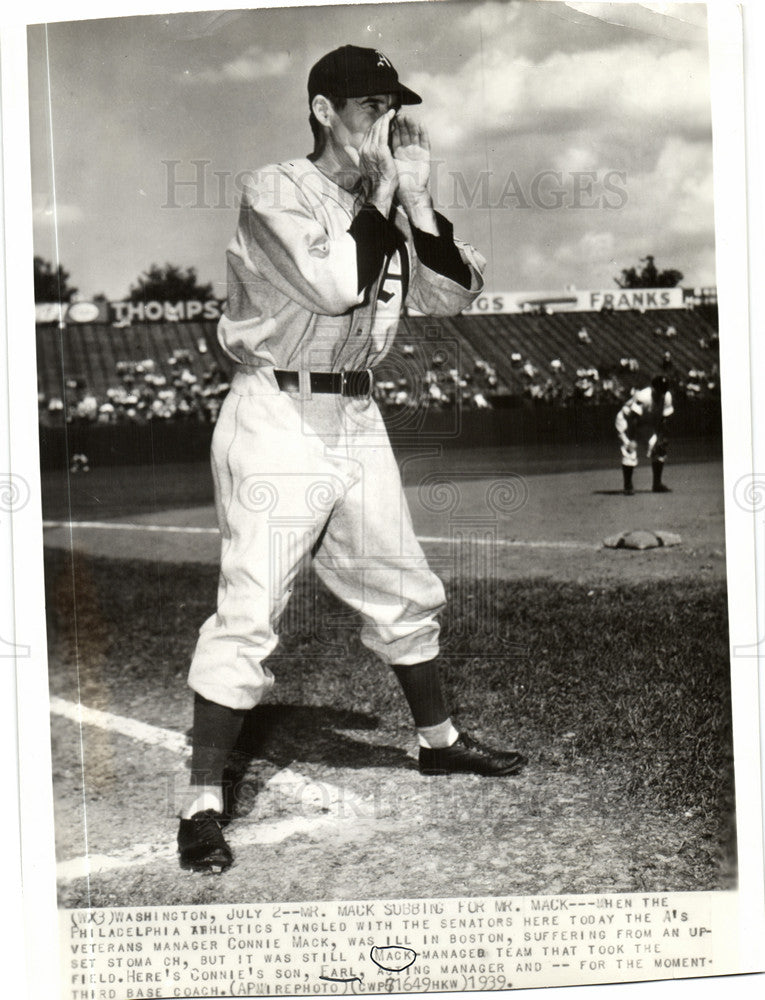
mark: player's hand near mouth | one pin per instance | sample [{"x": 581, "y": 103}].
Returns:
[
  {"x": 376, "y": 165},
  {"x": 394, "y": 159},
  {"x": 411, "y": 154}
]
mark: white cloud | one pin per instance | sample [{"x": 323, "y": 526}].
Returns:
[
  {"x": 493, "y": 16},
  {"x": 668, "y": 212},
  {"x": 571, "y": 158},
  {"x": 255, "y": 63},
  {"x": 597, "y": 248},
  {"x": 629, "y": 85},
  {"x": 676, "y": 199}
]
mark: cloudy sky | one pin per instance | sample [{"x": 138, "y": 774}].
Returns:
[{"x": 566, "y": 147}]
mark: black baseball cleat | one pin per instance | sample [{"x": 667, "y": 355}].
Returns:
[
  {"x": 661, "y": 488},
  {"x": 201, "y": 844},
  {"x": 468, "y": 756}
]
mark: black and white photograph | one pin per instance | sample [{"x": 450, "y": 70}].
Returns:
[{"x": 391, "y": 517}]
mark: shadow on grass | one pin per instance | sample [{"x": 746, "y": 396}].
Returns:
[
  {"x": 617, "y": 493},
  {"x": 285, "y": 734}
]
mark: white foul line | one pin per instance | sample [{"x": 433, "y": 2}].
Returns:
[
  {"x": 144, "y": 854},
  {"x": 141, "y": 731},
  {"x": 506, "y": 542},
  {"x": 327, "y": 804},
  {"x": 427, "y": 539},
  {"x": 131, "y": 526}
]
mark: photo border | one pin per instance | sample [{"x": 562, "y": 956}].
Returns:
[{"x": 742, "y": 526}]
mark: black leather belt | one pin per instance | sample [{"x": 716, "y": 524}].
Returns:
[{"x": 350, "y": 383}]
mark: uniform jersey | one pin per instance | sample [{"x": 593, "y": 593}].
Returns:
[
  {"x": 294, "y": 276},
  {"x": 641, "y": 410}
]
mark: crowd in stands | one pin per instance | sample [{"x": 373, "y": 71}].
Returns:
[
  {"x": 194, "y": 388},
  {"x": 587, "y": 385},
  {"x": 440, "y": 386},
  {"x": 596, "y": 384},
  {"x": 140, "y": 393}
]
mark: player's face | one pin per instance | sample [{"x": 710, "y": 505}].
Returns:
[{"x": 352, "y": 122}]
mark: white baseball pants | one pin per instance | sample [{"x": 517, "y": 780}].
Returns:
[{"x": 297, "y": 474}]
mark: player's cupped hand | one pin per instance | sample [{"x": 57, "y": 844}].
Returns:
[
  {"x": 375, "y": 159},
  {"x": 411, "y": 153}
]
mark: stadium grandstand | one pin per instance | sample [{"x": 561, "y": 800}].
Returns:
[{"x": 175, "y": 369}]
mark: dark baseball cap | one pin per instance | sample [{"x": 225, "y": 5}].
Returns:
[{"x": 351, "y": 71}]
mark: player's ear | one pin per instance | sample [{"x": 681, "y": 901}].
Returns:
[{"x": 322, "y": 110}]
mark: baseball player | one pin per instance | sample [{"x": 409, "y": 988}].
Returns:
[
  {"x": 327, "y": 251},
  {"x": 645, "y": 413}
]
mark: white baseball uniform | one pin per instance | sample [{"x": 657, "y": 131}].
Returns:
[
  {"x": 641, "y": 411},
  {"x": 299, "y": 473}
]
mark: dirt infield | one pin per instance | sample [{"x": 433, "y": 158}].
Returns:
[{"x": 543, "y": 525}]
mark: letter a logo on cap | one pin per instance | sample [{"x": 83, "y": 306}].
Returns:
[{"x": 383, "y": 60}]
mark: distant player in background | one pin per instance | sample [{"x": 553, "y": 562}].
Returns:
[{"x": 644, "y": 416}]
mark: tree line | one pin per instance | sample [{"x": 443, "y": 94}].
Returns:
[
  {"x": 159, "y": 283},
  {"x": 170, "y": 283}
]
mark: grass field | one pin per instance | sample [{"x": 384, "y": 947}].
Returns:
[{"x": 612, "y": 675}]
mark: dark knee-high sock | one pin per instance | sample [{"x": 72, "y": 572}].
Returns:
[
  {"x": 658, "y": 469},
  {"x": 214, "y": 734},
  {"x": 627, "y": 474},
  {"x": 421, "y": 684}
]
